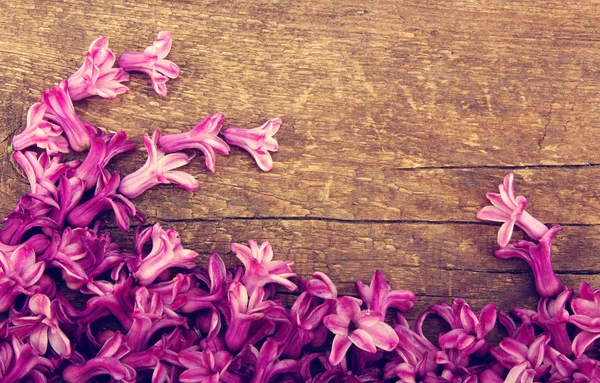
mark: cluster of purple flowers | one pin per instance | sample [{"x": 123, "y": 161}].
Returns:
[{"x": 153, "y": 314}]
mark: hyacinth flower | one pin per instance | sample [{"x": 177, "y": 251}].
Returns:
[
  {"x": 538, "y": 256},
  {"x": 365, "y": 329},
  {"x": 40, "y": 133},
  {"x": 268, "y": 365},
  {"x": 320, "y": 285},
  {"x": 173, "y": 293},
  {"x": 105, "y": 198},
  {"x": 586, "y": 311},
  {"x": 38, "y": 242},
  {"x": 379, "y": 298},
  {"x": 19, "y": 273},
  {"x": 21, "y": 363},
  {"x": 69, "y": 193},
  {"x": 553, "y": 317},
  {"x": 42, "y": 328},
  {"x": 511, "y": 210},
  {"x": 116, "y": 299},
  {"x": 97, "y": 77},
  {"x": 59, "y": 109},
  {"x": 82, "y": 254},
  {"x": 247, "y": 314},
  {"x": 28, "y": 214},
  {"x": 166, "y": 252},
  {"x": 588, "y": 370},
  {"x": 203, "y": 137},
  {"x": 258, "y": 141},
  {"x": 468, "y": 329},
  {"x": 214, "y": 277},
  {"x": 42, "y": 172},
  {"x": 523, "y": 354},
  {"x": 416, "y": 352},
  {"x": 206, "y": 366},
  {"x": 158, "y": 169},
  {"x": 148, "y": 318},
  {"x": 260, "y": 268},
  {"x": 152, "y": 62},
  {"x": 106, "y": 362}
]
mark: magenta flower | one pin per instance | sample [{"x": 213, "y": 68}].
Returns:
[
  {"x": 588, "y": 370},
  {"x": 19, "y": 274},
  {"x": 40, "y": 133},
  {"x": 102, "y": 149},
  {"x": 511, "y": 210},
  {"x": 105, "y": 198},
  {"x": 258, "y": 141},
  {"x": 538, "y": 256},
  {"x": 214, "y": 277},
  {"x": 172, "y": 293},
  {"x": 42, "y": 172},
  {"x": 321, "y": 286},
  {"x": 203, "y": 137},
  {"x": 42, "y": 328},
  {"x": 379, "y": 298},
  {"x": 69, "y": 193},
  {"x": 116, "y": 299},
  {"x": 586, "y": 314},
  {"x": 166, "y": 252},
  {"x": 468, "y": 328},
  {"x": 106, "y": 362},
  {"x": 553, "y": 317},
  {"x": 152, "y": 62},
  {"x": 268, "y": 365},
  {"x": 97, "y": 77},
  {"x": 365, "y": 329},
  {"x": 207, "y": 366},
  {"x": 21, "y": 363},
  {"x": 82, "y": 254},
  {"x": 158, "y": 169},
  {"x": 59, "y": 109},
  {"x": 251, "y": 316},
  {"x": 38, "y": 242},
  {"x": 260, "y": 268}
]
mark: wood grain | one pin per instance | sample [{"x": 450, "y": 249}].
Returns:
[{"x": 398, "y": 117}]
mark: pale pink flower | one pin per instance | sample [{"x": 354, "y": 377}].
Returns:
[
  {"x": 41, "y": 133},
  {"x": 258, "y": 141}
]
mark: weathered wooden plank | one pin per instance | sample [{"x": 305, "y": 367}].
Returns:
[{"x": 384, "y": 82}]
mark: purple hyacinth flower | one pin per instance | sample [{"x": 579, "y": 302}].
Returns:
[
  {"x": 511, "y": 210},
  {"x": 258, "y": 141},
  {"x": 166, "y": 252},
  {"x": 586, "y": 314},
  {"x": 21, "y": 363},
  {"x": 152, "y": 62},
  {"x": 365, "y": 329},
  {"x": 59, "y": 109},
  {"x": 206, "y": 366},
  {"x": 268, "y": 365},
  {"x": 260, "y": 268},
  {"x": 41, "y": 133},
  {"x": 97, "y": 77},
  {"x": 538, "y": 256},
  {"x": 19, "y": 274},
  {"x": 379, "y": 298},
  {"x": 203, "y": 137},
  {"x": 158, "y": 169}
]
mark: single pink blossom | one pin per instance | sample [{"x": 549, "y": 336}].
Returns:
[
  {"x": 152, "y": 62},
  {"x": 42, "y": 328},
  {"x": 158, "y": 169},
  {"x": 365, "y": 329},
  {"x": 166, "y": 252},
  {"x": 59, "y": 109},
  {"x": 258, "y": 141},
  {"x": 203, "y": 137},
  {"x": 260, "y": 268},
  {"x": 511, "y": 210},
  {"x": 379, "y": 297},
  {"x": 207, "y": 366},
  {"x": 41, "y": 133},
  {"x": 19, "y": 273},
  {"x": 97, "y": 77}
]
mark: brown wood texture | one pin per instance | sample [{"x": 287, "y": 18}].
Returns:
[{"x": 398, "y": 117}]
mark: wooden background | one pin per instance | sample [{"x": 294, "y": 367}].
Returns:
[{"x": 398, "y": 117}]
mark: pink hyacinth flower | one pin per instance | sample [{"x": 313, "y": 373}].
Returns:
[
  {"x": 40, "y": 133},
  {"x": 260, "y": 268},
  {"x": 203, "y": 137},
  {"x": 42, "y": 328},
  {"x": 586, "y": 316},
  {"x": 258, "y": 141},
  {"x": 21, "y": 363},
  {"x": 158, "y": 169},
  {"x": 166, "y": 252},
  {"x": 379, "y": 298},
  {"x": 59, "y": 109},
  {"x": 523, "y": 356},
  {"x": 538, "y": 256},
  {"x": 207, "y": 366},
  {"x": 97, "y": 77},
  {"x": 511, "y": 210},
  {"x": 365, "y": 329},
  {"x": 19, "y": 273},
  {"x": 152, "y": 62}
]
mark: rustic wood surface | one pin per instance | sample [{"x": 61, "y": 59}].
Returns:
[{"x": 398, "y": 117}]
